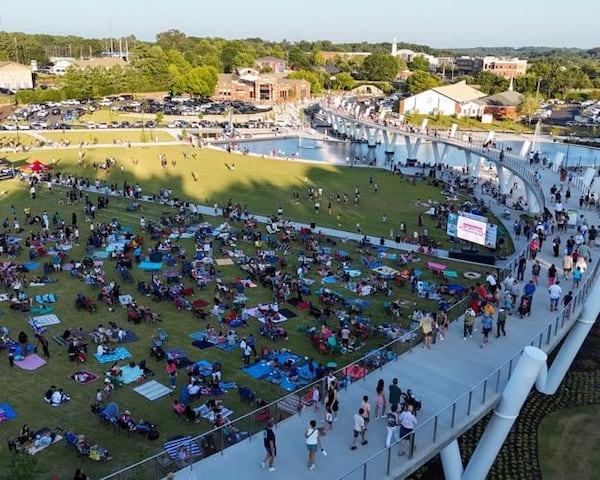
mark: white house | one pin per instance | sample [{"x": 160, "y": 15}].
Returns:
[
  {"x": 60, "y": 65},
  {"x": 457, "y": 99},
  {"x": 15, "y": 76}
]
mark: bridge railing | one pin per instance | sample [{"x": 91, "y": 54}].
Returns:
[
  {"x": 439, "y": 429},
  {"x": 516, "y": 163}
]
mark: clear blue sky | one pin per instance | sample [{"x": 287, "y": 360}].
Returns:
[{"x": 438, "y": 23}]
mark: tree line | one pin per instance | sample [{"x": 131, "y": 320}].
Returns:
[{"x": 181, "y": 64}]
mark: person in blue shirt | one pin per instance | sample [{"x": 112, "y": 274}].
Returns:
[
  {"x": 529, "y": 289},
  {"x": 486, "y": 326}
]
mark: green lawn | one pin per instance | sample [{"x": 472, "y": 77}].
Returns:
[
  {"x": 22, "y": 138},
  {"x": 264, "y": 185},
  {"x": 568, "y": 443},
  {"x": 104, "y": 137}
]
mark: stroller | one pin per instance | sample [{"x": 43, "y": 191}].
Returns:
[
  {"x": 525, "y": 306},
  {"x": 408, "y": 398}
]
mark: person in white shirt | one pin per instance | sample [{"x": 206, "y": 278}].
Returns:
[
  {"x": 359, "y": 426},
  {"x": 408, "y": 422},
  {"x": 313, "y": 442},
  {"x": 555, "y": 293}
]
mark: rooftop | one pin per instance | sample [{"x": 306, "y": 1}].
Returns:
[{"x": 459, "y": 92}]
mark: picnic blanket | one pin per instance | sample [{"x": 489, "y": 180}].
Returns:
[
  {"x": 153, "y": 390},
  {"x": 83, "y": 377},
  {"x": 31, "y": 266},
  {"x": 6, "y": 412},
  {"x": 101, "y": 254},
  {"x": 172, "y": 447},
  {"x": 37, "y": 448},
  {"x": 130, "y": 336},
  {"x": 150, "y": 266},
  {"x": 125, "y": 299},
  {"x": 130, "y": 374},
  {"x": 199, "y": 335},
  {"x": 202, "y": 344},
  {"x": 44, "y": 321},
  {"x": 223, "y": 261},
  {"x": 226, "y": 346},
  {"x": 287, "y": 313},
  {"x": 46, "y": 298},
  {"x": 290, "y": 386},
  {"x": 208, "y": 414},
  {"x": 205, "y": 367},
  {"x": 31, "y": 362},
  {"x": 119, "y": 353}
]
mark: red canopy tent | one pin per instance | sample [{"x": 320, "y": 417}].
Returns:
[{"x": 36, "y": 167}]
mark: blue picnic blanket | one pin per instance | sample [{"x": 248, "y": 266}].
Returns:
[
  {"x": 289, "y": 386},
  {"x": 258, "y": 370},
  {"x": 119, "y": 353},
  {"x": 205, "y": 367},
  {"x": 150, "y": 265},
  {"x": 200, "y": 335},
  {"x": 130, "y": 374},
  {"x": 46, "y": 298},
  {"x": 7, "y": 412}
]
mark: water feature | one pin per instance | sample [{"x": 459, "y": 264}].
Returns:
[{"x": 344, "y": 152}]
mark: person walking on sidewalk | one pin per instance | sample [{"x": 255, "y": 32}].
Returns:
[
  {"x": 313, "y": 442},
  {"x": 501, "y": 322},
  {"x": 366, "y": 408},
  {"x": 394, "y": 393},
  {"x": 469, "y": 320},
  {"x": 380, "y": 399},
  {"x": 486, "y": 327},
  {"x": 392, "y": 426},
  {"x": 270, "y": 446},
  {"x": 359, "y": 427},
  {"x": 408, "y": 422},
  {"x": 555, "y": 292}
]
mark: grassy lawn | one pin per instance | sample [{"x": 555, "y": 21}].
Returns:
[
  {"x": 22, "y": 137},
  {"x": 110, "y": 137},
  {"x": 568, "y": 443},
  {"x": 266, "y": 184},
  {"x": 263, "y": 185}
]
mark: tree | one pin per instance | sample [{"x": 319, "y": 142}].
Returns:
[
  {"x": 316, "y": 83},
  {"x": 298, "y": 59},
  {"x": 420, "y": 81},
  {"x": 343, "y": 81},
  {"x": 419, "y": 62},
  {"x": 381, "y": 67},
  {"x": 159, "y": 118},
  {"x": 491, "y": 83},
  {"x": 530, "y": 104},
  {"x": 201, "y": 81}
]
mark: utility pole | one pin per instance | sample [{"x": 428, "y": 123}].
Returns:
[{"x": 16, "y": 51}]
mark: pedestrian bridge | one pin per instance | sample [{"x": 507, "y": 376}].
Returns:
[{"x": 509, "y": 166}]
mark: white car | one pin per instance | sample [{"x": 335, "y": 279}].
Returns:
[
  {"x": 103, "y": 125},
  {"x": 90, "y": 125},
  {"x": 10, "y": 126}
]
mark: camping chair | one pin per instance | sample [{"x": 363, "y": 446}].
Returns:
[{"x": 110, "y": 414}]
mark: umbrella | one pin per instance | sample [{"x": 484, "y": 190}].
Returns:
[{"x": 36, "y": 167}]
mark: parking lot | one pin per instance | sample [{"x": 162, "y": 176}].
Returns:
[{"x": 68, "y": 114}]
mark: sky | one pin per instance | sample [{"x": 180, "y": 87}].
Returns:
[{"x": 436, "y": 23}]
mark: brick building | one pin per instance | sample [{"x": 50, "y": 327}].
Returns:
[{"x": 248, "y": 85}]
